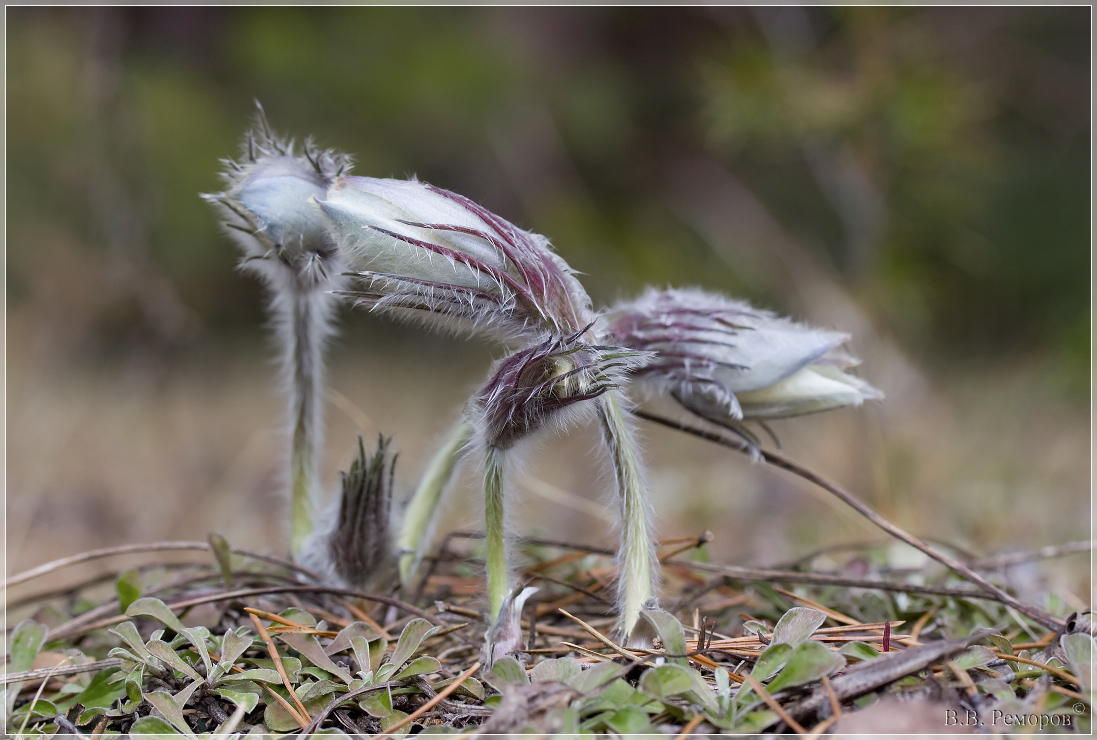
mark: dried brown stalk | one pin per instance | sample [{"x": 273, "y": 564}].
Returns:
[{"x": 780, "y": 461}]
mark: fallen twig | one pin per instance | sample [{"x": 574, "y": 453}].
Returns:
[{"x": 780, "y": 461}]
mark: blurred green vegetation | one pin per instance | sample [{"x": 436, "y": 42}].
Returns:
[{"x": 934, "y": 161}]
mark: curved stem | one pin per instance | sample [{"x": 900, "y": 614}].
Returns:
[
  {"x": 421, "y": 514},
  {"x": 494, "y": 531},
  {"x": 636, "y": 555}
]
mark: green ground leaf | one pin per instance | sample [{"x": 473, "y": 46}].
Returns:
[
  {"x": 265, "y": 675},
  {"x": 602, "y": 673},
  {"x": 128, "y": 586},
  {"x": 147, "y": 606},
  {"x": 797, "y": 625},
  {"x": 300, "y": 616},
  {"x": 670, "y": 633},
  {"x": 858, "y": 650},
  {"x": 809, "y": 661},
  {"x": 630, "y": 721},
  {"x": 101, "y": 693},
  {"x": 26, "y": 641},
  {"x": 127, "y": 633},
  {"x": 234, "y": 644},
  {"x": 222, "y": 552},
  {"x": 411, "y": 637},
  {"x": 772, "y": 659},
  {"x": 505, "y": 672},
  {"x": 565, "y": 670},
  {"x": 245, "y": 699},
  {"x": 975, "y": 657},
  {"x": 665, "y": 681},
  {"x": 292, "y": 666},
  {"x": 165, "y": 704},
  {"x": 309, "y": 646},
  {"x": 197, "y": 636},
  {"x": 470, "y": 687},
  {"x": 151, "y": 728},
  {"x": 393, "y": 719},
  {"x": 421, "y": 665},
  {"x": 1000, "y": 642},
  {"x": 342, "y": 640},
  {"x": 164, "y": 653},
  {"x": 377, "y": 704}
]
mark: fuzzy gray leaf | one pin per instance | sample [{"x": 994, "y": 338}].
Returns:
[
  {"x": 148, "y": 606},
  {"x": 797, "y": 625}
]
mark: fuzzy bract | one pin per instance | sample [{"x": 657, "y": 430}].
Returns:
[
  {"x": 414, "y": 247},
  {"x": 724, "y": 359},
  {"x": 352, "y": 544},
  {"x": 532, "y": 388}
]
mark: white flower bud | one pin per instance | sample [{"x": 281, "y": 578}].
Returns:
[
  {"x": 723, "y": 359},
  {"x": 415, "y": 247}
]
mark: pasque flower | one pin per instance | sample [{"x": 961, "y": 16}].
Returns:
[
  {"x": 726, "y": 361},
  {"x": 540, "y": 387},
  {"x": 415, "y": 247},
  {"x": 266, "y": 207}
]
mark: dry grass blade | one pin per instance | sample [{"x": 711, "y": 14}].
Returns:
[
  {"x": 692, "y": 725},
  {"x": 602, "y": 638},
  {"x": 302, "y": 716},
  {"x": 65, "y": 632},
  {"x": 433, "y": 702},
  {"x": 361, "y": 616},
  {"x": 690, "y": 543},
  {"x": 773, "y": 704},
  {"x": 741, "y": 573},
  {"x": 1050, "y": 669},
  {"x": 836, "y": 616},
  {"x": 105, "y": 552},
  {"x": 835, "y": 705},
  {"x": 963, "y": 677},
  {"x": 69, "y": 670},
  {"x": 38, "y": 695},
  {"x": 1043, "y": 553},
  {"x": 164, "y": 546},
  {"x": 585, "y": 651},
  {"x": 1039, "y": 615},
  {"x": 822, "y": 727},
  {"x": 274, "y": 617}
]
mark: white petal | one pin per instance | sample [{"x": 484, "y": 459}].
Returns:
[
  {"x": 814, "y": 388},
  {"x": 771, "y": 352}
]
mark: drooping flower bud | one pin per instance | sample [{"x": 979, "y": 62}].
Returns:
[
  {"x": 267, "y": 206},
  {"x": 417, "y": 248},
  {"x": 726, "y": 360},
  {"x": 352, "y": 545},
  {"x": 533, "y": 387}
]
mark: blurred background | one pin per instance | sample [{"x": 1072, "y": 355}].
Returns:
[{"x": 919, "y": 177}]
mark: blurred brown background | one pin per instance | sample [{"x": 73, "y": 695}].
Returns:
[{"x": 918, "y": 177}]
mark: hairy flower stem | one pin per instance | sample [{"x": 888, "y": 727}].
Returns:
[
  {"x": 494, "y": 535},
  {"x": 306, "y": 325},
  {"x": 636, "y": 554},
  {"x": 421, "y": 514}
]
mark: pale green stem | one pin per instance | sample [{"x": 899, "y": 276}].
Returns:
[
  {"x": 423, "y": 508},
  {"x": 306, "y": 329},
  {"x": 636, "y": 553},
  {"x": 494, "y": 535}
]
